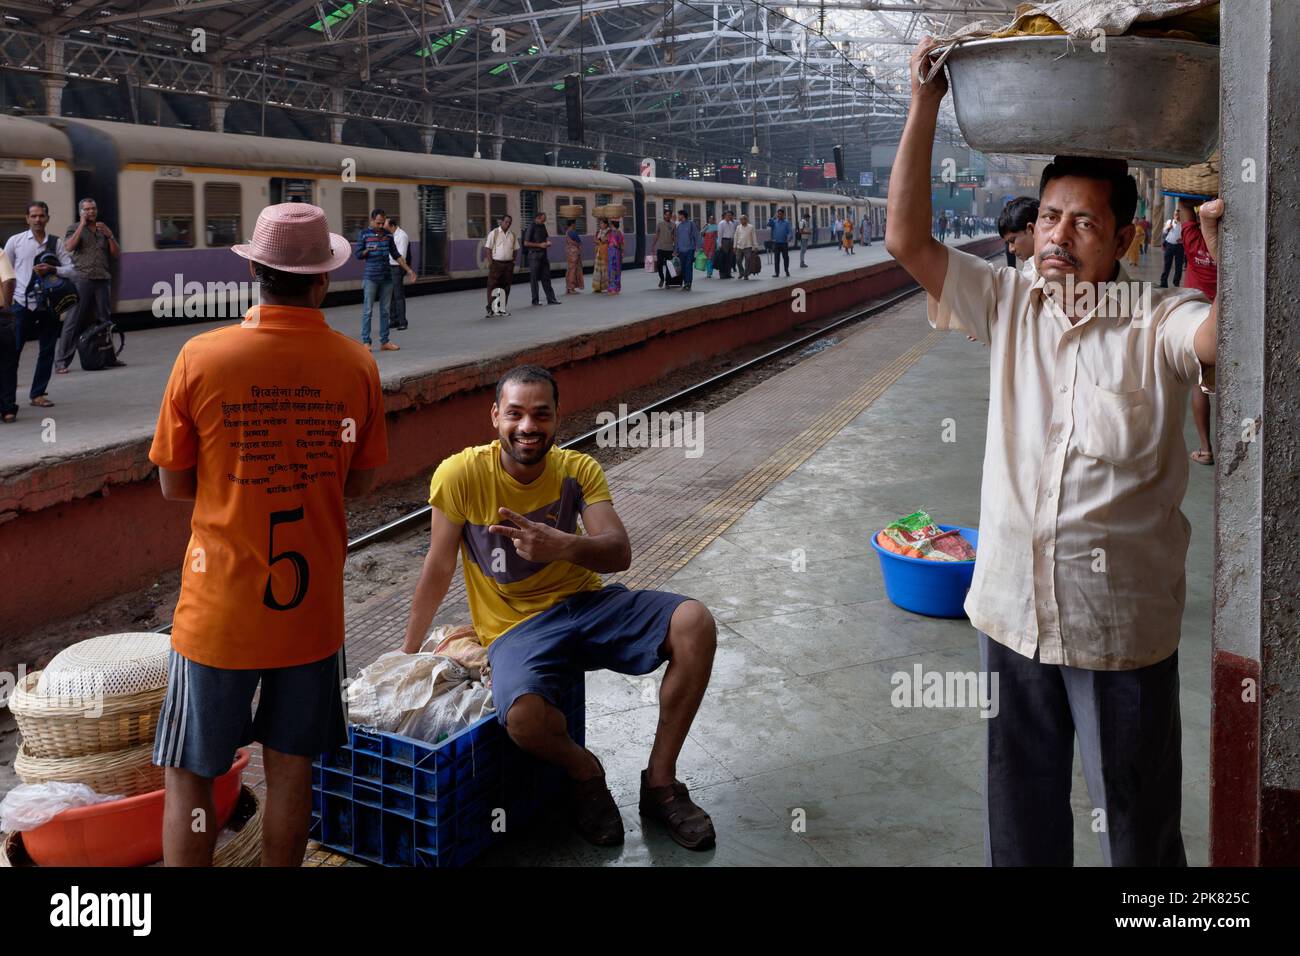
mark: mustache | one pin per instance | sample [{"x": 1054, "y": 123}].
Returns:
[{"x": 1059, "y": 253}]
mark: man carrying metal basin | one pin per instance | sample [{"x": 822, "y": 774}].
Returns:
[{"x": 1079, "y": 585}]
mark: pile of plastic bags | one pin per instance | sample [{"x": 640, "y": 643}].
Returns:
[{"x": 428, "y": 695}]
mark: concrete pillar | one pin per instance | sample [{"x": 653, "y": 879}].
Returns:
[
  {"x": 498, "y": 144},
  {"x": 53, "y": 82},
  {"x": 53, "y": 96},
  {"x": 1255, "y": 683},
  {"x": 426, "y": 139},
  {"x": 217, "y": 115},
  {"x": 553, "y": 155},
  {"x": 337, "y": 119}
]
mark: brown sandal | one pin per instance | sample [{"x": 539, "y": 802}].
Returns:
[
  {"x": 42, "y": 401},
  {"x": 687, "y": 823},
  {"x": 595, "y": 812}
]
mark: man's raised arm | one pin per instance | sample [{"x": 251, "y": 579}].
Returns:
[
  {"x": 907, "y": 218},
  {"x": 435, "y": 578}
]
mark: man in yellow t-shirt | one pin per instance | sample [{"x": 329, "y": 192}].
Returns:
[{"x": 511, "y": 508}]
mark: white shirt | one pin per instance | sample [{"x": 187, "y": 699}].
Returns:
[
  {"x": 745, "y": 237},
  {"x": 403, "y": 243},
  {"x": 22, "y": 250},
  {"x": 727, "y": 229},
  {"x": 503, "y": 245},
  {"x": 1082, "y": 544},
  {"x": 1175, "y": 233}
]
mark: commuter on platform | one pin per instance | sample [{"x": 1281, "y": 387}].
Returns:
[
  {"x": 92, "y": 246},
  {"x": 1079, "y": 656},
  {"x": 864, "y": 230},
  {"x": 710, "y": 246},
  {"x": 1172, "y": 243},
  {"x": 615, "y": 256},
  {"x": 600, "y": 271},
  {"x": 34, "y": 254},
  {"x": 1016, "y": 227},
  {"x": 501, "y": 248},
  {"x": 805, "y": 232},
  {"x": 686, "y": 243},
  {"x": 665, "y": 240},
  {"x": 837, "y": 230},
  {"x": 375, "y": 247},
  {"x": 1135, "y": 247},
  {"x": 573, "y": 259},
  {"x": 727, "y": 244},
  {"x": 400, "y": 267},
  {"x": 8, "y": 342},
  {"x": 266, "y": 512},
  {"x": 538, "y": 603},
  {"x": 847, "y": 239},
  {"x": 782, "y": 232},
  {"x": 746, "y": 245},
  {"x": 1202, "y": 274},
  {"x": 537, "y": 240}
]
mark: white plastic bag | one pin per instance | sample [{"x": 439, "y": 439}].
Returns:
[
  {"x": 30, "y": 805},
  {"x": 418, "y": 695}
]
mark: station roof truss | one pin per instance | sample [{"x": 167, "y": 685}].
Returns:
[{"x": 694, "y": 81}]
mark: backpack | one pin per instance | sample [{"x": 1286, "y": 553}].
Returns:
[{"x": 95, "y": 346}]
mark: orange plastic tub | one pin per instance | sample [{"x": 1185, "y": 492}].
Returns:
[{"x": 125, "y": 832}]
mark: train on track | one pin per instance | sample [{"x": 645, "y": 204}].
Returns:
[{"x": 178, "y": 199}]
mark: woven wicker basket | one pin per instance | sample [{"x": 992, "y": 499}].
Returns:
[
  {"x": 123, "y": 772},
  {"x": 610, "y": 212},
  {"x": 572, "y": 212},
  {"x": 239, "y": 844},
  {"x": 69, "y": 727},
  {"x": 1200, "y": 180}
]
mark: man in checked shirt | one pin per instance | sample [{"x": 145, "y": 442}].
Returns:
[{"x": 1079, "y": 585}]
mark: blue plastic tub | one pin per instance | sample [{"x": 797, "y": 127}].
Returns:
[{"x": 932, "y": 588}]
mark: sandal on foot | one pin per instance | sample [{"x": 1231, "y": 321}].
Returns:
[
  {"x": 595, "y": 812},
  {"x": 42, "y": 401},
  {"x": 687, "y": 823},
  {"x": 1203, "y": 457},
  {"x": 9, "y": 417}
]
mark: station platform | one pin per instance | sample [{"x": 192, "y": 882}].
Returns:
[
  {"x": 797, "y": 751},
  {"x": 88, "y": 479}
]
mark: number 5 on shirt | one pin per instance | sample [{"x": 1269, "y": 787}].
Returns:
[{"x": 299, "y": 563}]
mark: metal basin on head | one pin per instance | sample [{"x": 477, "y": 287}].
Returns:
[{"x": 1146, "y": 100}]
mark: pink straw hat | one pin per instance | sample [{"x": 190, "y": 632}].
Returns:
[{"x": 295, "y": 237}]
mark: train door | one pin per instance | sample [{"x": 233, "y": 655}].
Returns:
[
  {"x": 641, "y": 210},
  {"x": 433, "y": 230},
  {"x": 530, "y": 204}
]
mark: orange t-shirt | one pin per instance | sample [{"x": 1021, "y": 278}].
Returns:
[{"x": 273, "y": 413}]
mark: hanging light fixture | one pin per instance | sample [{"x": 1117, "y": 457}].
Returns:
[
  {"x": 477, "y": 30},
  {"x": 753, "y": 92}
]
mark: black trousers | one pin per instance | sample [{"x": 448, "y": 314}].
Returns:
[
  {"x": 539, "y": 270},
  {"x": 8, "y": 365},
  {"x": 725, "y": 259},
  {"x": 1173, "y": 256},
  {"x": 397, "y": 313},
  {"x": 92, "y": 306},
  {"x": 662, "y": 256},
  {"x": 780, "y": 250}
]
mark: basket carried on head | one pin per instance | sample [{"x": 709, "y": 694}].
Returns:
[
  {"x": 1199, "y": 180},
  {"x": 610, "y": 212},
  {"x": 103, "y": 694},
  {"x": 572, "y": 212}
]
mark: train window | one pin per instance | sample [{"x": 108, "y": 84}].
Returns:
[
  {"x": 390, "y": 201},
  {"x": 15, "y": 193},
  {"x": 650, "y": 216},
  {"x": 695, "y": 213},
  {"x": 604, "y": 199},
  {"x": 670, "y": 205},
  {"x": 356, "y": 212},
  {"x": 711, "y": 208},
  {"x": 173, "y": 215},
  {"x": 530, "y": 204},
  {"x": 629, "y": 218},
  {"x": 498, "y": 206},
  {"x": 291, "y": 190},
  {"x": 221, "y": 214},
  {"x": 475, "y": 215},
  {"x": 744, "y": 208}
]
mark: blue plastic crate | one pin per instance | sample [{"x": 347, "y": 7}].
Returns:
[{"x": 396, "y": 801}]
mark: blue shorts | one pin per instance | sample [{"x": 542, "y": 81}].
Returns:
[
  {"x": 611, "y": 629},
  {"x": 208, "y": 715}
]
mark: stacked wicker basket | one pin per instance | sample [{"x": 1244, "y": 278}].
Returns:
[
  {"x": 91, "y": 715},
  {"x": 1199, "y": 180}
]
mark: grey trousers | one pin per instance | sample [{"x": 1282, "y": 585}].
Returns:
[
  {"x": 92, "y": 306},
  {"x": 1130, "y": 741}
]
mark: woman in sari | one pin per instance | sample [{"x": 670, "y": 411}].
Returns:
[
  {"x": 848, "y": 237},
  {"x": 600, "y": 274},
  {"x": 573, "y": 254},
  {"x": 615, "y": 257},
  {"x": 710, "y": 245}
]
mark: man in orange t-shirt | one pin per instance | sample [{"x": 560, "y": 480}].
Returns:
[{"x": 266, "y": 426}]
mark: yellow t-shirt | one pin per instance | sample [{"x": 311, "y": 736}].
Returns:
[{"x": 504, "y": 589}]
